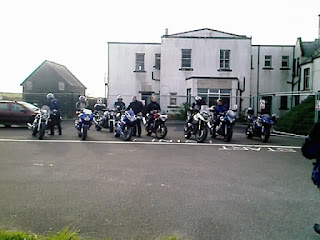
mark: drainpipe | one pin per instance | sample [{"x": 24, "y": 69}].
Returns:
[{"x": 258, "y": 76}]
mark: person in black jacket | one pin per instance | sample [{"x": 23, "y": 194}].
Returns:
[
  {"x": 311, "y": 150},
  {"x": 55, "y": 115},
  {"x": 151, "y": 108},
  {"x": 119, "y": 105},
  {"x": 195, "y": 108},
  {"x": 137, "y": 107}
]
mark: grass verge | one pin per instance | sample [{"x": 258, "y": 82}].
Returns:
[{"x": 65, "y": 234}]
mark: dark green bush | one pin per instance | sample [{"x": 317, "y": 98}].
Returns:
[{"x": 299, "y": 119}]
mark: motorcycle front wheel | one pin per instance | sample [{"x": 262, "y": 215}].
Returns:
[
  {"x": 34, "y": 130},
  {"x": 127, "y": 133},
  {"x": 42, "y": 131},
  {"x": 84, "y": 132},
  {"x": 227, "y": 138},
  {"x": 187, "y": 132},
  {"x": 201, "y": 134},
  {"x": 161, "y": 131},
  {"x": 249, "y": 133},
  {"x": 98, "y": 128},
  {"x": 265, "y": 135}
]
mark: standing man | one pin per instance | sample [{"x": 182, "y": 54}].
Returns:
[
  {"x": 119, "y": 105},
  {"x": 219, "y": 110},
  {"x": 137, "y": 107},
  {"x": 151, "y": 108},
  {"x": 311, "y": 150},
  {"x": 55, "y": 115}
]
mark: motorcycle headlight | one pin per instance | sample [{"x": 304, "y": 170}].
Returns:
[{"x": 86, "y": 118}]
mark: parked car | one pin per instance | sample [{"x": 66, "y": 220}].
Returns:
[{"x": 17, "y": 112}]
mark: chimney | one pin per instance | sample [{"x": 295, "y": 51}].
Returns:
[
  {"x": 166, "y": 32},
  {"x": 319, "y": 28}
]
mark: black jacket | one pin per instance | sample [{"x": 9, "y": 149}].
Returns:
[
  {"x": 195, "y": 107},
  {"x": 122, "y": 105},
  {"x": 151, "y": 107},
  {"x": 136, "y": 107}
]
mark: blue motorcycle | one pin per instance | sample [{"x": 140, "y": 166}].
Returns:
[
  {"x": 84, "y": 123},
  {"x": 260, "y": 126},
  {"x": 124, "y": 124}
]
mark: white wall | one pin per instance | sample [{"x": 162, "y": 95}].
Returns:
[
  {"x": 205, "y": 62},
  {"x": 121, "y": 66},
  {"x": 316, "y": 74}
]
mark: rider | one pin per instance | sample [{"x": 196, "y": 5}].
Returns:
[
  {"x": 195, "y": 108},
  {"x": 137, "y": 107},
  {"x": 83, "y": 103},
  {"x": 54, "y": 106},
  {"x": 220, "y": 109},
  {"x": 119, "y": 105},
  {"x": 151, "y": 108}
]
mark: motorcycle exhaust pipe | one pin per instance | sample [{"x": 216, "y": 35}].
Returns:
[{"x": 29, "y": 126}]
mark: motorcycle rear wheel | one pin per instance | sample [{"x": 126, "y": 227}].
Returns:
[
  {"x": 201, "y": 134},
  {"x": 111, "y": 128},
  {"x": 148, "y": 132},
  {"x": 161, "y": 131}
]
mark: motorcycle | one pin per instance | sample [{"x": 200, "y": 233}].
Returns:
[
  {"x": 225, "y": 126},
  {"x": 158, "y": 125},
  {"x": 40, "y": 123},
  {"x": 198, "y": 126},
  {"x": 124, "y": 124},
  {"x": 84, "y": 122},
  {"x": 260, "y": 126}
]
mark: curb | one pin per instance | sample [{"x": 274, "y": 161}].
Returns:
[{"x": 288, "y": 134}]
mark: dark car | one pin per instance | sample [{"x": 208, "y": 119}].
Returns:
[{"x": 16, "y": 112}]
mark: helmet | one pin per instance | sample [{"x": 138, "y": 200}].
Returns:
[
  {"x": 250, "y": 110},
  {"x": 82, "y": 99},
  {"x": 50, "y": 96},
  {"x": 198, "y": 99},
  {"x": 119, "y": 97}
]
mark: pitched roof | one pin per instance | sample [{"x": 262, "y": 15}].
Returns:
[
  {"x": 62, "y": 71},
  {"x": 204, "y": 33},
  {"x": 309, "y": 48}
]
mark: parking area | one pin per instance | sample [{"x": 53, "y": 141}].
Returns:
[{"x": 144, "y": 189}]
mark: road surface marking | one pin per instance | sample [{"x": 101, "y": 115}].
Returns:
[{"x": 151, "y": 143}]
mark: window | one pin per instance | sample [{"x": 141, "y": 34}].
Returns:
[
  {"x": 284, "y": 102},
  {"x": 224, "y": 59},
  {"x": 189, "y": 96},
  {"x": 285, "y": 62},
  {"x": 268, "y": 61},
  {"x": 17, "y": 108},
  {"x": 28, "y": 86},
  {"x": 157, "y": 61},
  {"x": 186, "y": 58},
  {"x": 306, "y": 78},
  {"x": 173, "y": 101},
  {"x": 211, "y": 95},
  {"x": 3, "y": 106},
  {"x": 61, "y": 86},
  {"x": 140, "y": 62}
]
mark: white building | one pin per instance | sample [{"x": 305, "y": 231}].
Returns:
[{"x": 212, "y": 64}]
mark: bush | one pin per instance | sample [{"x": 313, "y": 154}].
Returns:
[
  {"x": 299, "y": 119},
  {"x": 182, "y": 113}
]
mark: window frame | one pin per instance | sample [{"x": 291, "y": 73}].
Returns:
[
  {"x": 283, "y": 103},
  {"x": 184, "y": 58},
  {"x": 287, "y": 61},
  {"x": 306, "y": 78},
  {"x": 140, "y": 63},
  {"x": 61, "y": 86},
  {"x": 157, "y": 61},
  {"x": 268, "y": 60},
  {"x": 223, "y": 59}
]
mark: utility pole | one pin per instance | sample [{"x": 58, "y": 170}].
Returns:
[{"x": 105, "y": 89}]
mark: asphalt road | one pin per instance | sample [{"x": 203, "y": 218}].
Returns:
[{"x": 146, "y": 189}]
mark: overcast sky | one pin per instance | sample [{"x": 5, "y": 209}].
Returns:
[{"x": 75, "y": 33}]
